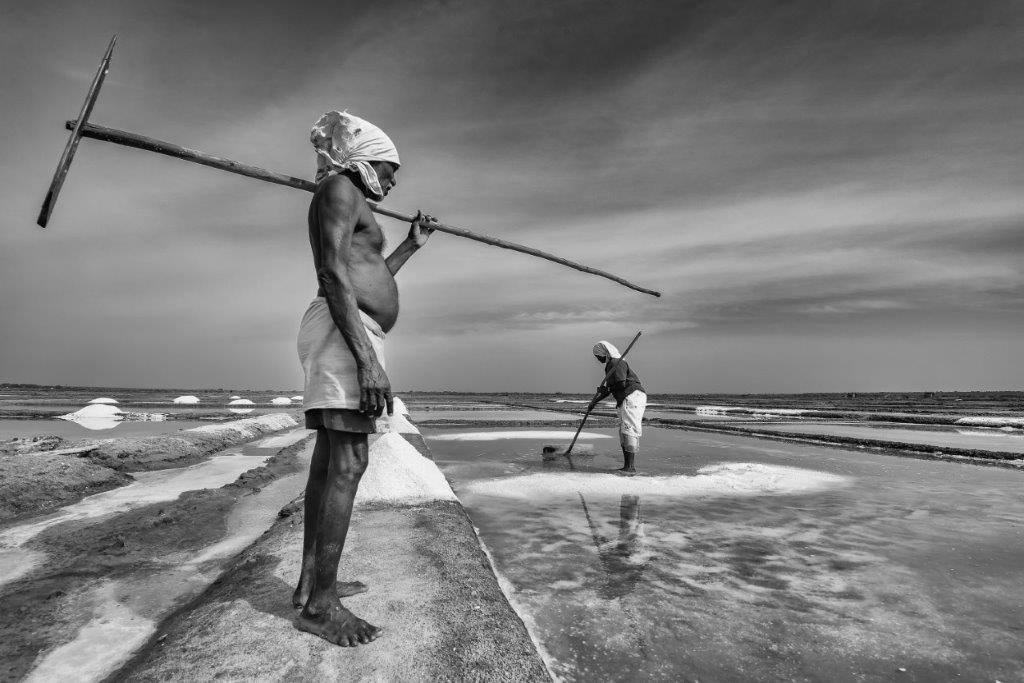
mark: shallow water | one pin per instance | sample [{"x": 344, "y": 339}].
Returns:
[
  {"x": 122, "y": 613},
  {"x": 797, "y": 562},
  {"x": 956, "y": 437},
  {"x": 148, "y": 487}
]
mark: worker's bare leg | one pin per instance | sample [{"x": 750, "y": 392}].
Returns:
[
  {"x": 323, "y": 613},
  {"x": 314, "y": 492},
  {"x": 630, "y": 445}
]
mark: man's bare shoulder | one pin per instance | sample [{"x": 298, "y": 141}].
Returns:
[{"x": 339, "y": 194}]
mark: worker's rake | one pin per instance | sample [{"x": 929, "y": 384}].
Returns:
[{"x": 82, "y": 128}]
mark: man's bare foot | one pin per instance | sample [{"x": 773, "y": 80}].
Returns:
[
  {"x": 337, "y": 625},
  {"x": 344, "y": 589},
  {"x": 627, "y": 470}
]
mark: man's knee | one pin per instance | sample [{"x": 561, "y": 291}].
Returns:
[
  {"x": 629, "y": 442},
  {"x": 348, "y": 455}
]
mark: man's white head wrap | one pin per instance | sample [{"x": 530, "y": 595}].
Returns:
[
  {"x": 344, "y": 142},
  {"x": 606, "y": 349}
]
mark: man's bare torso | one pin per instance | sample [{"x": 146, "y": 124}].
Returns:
[{"x": 373, "y": 284}]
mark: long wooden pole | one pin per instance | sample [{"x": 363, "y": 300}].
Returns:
[{"x": 120, "y": 137}]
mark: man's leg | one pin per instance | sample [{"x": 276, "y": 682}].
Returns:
[
  {"x": 314, "y": 493},
  {"x": 323, "y": 614},
  {"x": 630, "y": 445}
]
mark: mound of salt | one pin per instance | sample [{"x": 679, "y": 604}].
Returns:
[
  {"x": 96, "y": 416},
  {"x": 725, "y": 479},
  {"x": 94, "y": 410},
  {"x": 104, "y": 400},
  {"x": 523, "y": 434},
  {"x": 399, "y": 406},
  {"x": 281, "y": 401},
  {"x": 297, "y": 397},
  {"x": 234, "y": 397},
  {"x": 241, "y": 402},
  {"x": 187, "y": 400},
  {"x": 397, "y": 473}
]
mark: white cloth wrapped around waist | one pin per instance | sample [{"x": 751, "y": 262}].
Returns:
[
  {"x": 331, "y": 374},
  {"x": 631, "y": 414}
]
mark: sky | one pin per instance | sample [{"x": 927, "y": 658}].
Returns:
[{"x": 827, "y": 193}]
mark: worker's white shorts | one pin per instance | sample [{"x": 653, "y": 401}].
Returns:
[{"x": 631, "y": 414}]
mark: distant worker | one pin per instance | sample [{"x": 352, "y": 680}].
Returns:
[{"x": 630, "y": 399}]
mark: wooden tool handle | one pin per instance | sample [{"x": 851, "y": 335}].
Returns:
[{"x": 121, "y": 137}]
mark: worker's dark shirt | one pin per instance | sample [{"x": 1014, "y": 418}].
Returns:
[{"x": 623, "y": 381}]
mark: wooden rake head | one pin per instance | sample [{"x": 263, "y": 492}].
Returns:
[{"x": 76, "y": 135}]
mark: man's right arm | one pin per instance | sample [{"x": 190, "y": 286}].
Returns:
[{"x": 337, "y": 204}]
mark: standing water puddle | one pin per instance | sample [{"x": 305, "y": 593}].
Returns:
[{"x": 732, "y": 558}]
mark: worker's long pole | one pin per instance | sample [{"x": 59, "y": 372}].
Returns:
[{"x": 126, "y": 139}]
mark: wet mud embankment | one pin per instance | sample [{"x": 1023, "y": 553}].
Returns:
[
  {"x": 133, "y": 553},
  {"x": 32, "y": 483}
]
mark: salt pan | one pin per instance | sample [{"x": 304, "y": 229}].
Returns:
[{"x": 497, "y": 436}]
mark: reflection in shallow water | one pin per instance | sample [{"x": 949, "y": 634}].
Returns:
[{"x": 624, "y": 558}]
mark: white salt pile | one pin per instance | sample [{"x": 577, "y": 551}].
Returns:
[
  {"x": 297, "y": 397},
  {"x": 96, "y": 416},
  {"x": 241, "y": 411},
  {"x": 399, "y": 406},
  {"x": 94, "y": 410},
  {"x": 525, "y": 434},
  {"x": 397, "y": 473},
  {"x": 187, "y": 400},
  {"x": 103, "y": 399},
  {"x": 726, "y": 479},
  {"x": 281, "y": 401},
  {"x": 234, "y": 397},
  {"x": 241, "y": 402}
]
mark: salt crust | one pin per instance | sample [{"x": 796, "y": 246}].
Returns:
[
  {"x": 397, "y": 473},
  {"x": 248, "y": 428},
  {"x": 986, "y": 421},
  {"x": 725, "y": 479},
  {"x": 524, "y": 434}
]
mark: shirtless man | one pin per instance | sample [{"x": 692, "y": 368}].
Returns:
[{"x": 340, "y": 346}]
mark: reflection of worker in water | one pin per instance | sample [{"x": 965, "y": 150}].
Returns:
[
  {"x": 623, "y": 559},
  {"x": 630, "y": 399}
]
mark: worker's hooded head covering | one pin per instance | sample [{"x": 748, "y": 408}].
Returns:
[
  {"x": 344, "y": 142},
  {"x": 606, "y": 349}
]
